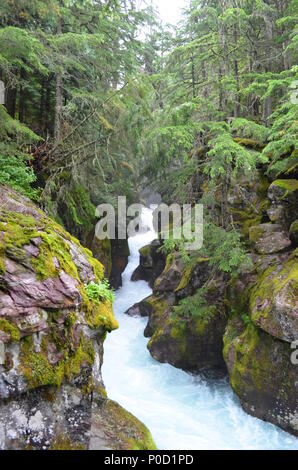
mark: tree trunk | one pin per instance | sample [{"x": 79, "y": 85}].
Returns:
[
  {"x": 11, "y": 100},
  {"x": 267, "y": 103},
  {"x": 22, "y": 95},
  {"x": 236, "y": 76},
  {"x": 48, "y": 106},
  {"x": 42, "y": 104},
  {"x": 59, "y": 97}
]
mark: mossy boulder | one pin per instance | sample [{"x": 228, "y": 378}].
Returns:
[
  {"x": 261, "y": 373},
  {"x": 248, "y": 201},
  {"x": 192, "y": 343},
  {"x": 170, "y": 278},
  {"x": 294, "y": 232},
  {"x": 283, "y": 195},
  {"x": 115, "y": 428},
  {"x": 191, "y": 340},
  {"x": 273, "y": 300},
  {"x": 51, "y": 333},
  {"x": 269, "y": 238},
  {"x": 152, "y": 263}
]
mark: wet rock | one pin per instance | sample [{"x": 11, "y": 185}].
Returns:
[
  {"x": 140, "y": 309},
  {"x": 170, "y": 278},
  {"x": 119, "y": 254},
  {"x": 152, "y": 263},
  {"x": 192, "y": 340}
]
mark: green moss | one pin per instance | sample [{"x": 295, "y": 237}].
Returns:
[
  {"x": 84, "y": 355},
  {"x": 294, "y": 229},
  {"x": 81, "y": 209},
  {"x": 169, "y": 261},
  {"x": 187, "y": 273},
  {"x": 132, "y": 434},
  {"x": 63, "y": 442},
  {"x": 10, "y": 329},
  {"x": 98, "y": 314},
  {"x": 102, "y": 251},
  {"x": 145, "y": 251},
  {"x": 288, "y": 186},
  {"x": 249, "y": 357},
  {"x": 39, "y": 372},
  {"x": 255, "y": 233},
  {"x": 269, "y": 284},
  {"x": 250, "y": 143},
  {"x": 185, "y": 279}
]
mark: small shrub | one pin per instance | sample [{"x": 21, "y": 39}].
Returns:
[{"x": 100, "y": 292}]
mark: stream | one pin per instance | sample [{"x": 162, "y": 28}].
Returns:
[{"x": 182, "y": 411}]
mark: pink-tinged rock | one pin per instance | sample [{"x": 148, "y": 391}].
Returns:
[
  {"x": 32, "y": 323},
  {"x": 84, "y": 268},
  {"x": 32, "y": 250}
]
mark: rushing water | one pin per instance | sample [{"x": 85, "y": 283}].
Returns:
[{"x": 182, "y": 411}]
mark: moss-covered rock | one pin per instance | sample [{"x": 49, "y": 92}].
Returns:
[
  {"x": 192, "y": 343},
  {"x": 51, "y": 335},
  {"x": 273, "y": 300},
  {"x": 152, "y": 263},
  {"x": 283, "y": 195},
  {"x": 190, "y": 339},
  {"x": 294, "y": 232},
  {"x": 102, "y": 250},
  {"x": 248, "y": 202},
  {"x": 261, "y": 374},
  {"x": 115, "y": 428}
]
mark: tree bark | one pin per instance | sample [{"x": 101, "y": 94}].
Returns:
[
  {"x": 59, "y": 94},
  {"x": 22, "y": 95},
  {"x": 42, "y": 104}
]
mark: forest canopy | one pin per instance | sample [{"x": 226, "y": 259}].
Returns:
[{"x": 102, "y": 99}]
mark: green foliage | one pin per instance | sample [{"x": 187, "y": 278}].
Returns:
[
  {"x": 15, "y": 173},
  {"x": 224, "y": 249},
  {"x": 195, "y": 306},
  {"x": 100, "y": 292},
  {"x": 14, "y": 169}
]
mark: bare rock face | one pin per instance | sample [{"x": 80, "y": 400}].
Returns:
[
  {"x": 269, "y": 238},
  {"x": 51, "y": 333}
]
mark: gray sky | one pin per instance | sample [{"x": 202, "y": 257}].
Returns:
[{"x": 170, "y": 10}]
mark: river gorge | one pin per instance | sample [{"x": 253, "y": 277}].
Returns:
[{"x": 182, "y": 410}]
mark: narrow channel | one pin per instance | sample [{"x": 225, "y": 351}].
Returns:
[{"x": 181, "y": 410}]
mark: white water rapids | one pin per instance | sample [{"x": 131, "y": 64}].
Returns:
[{"x": 181, "y": 410}]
